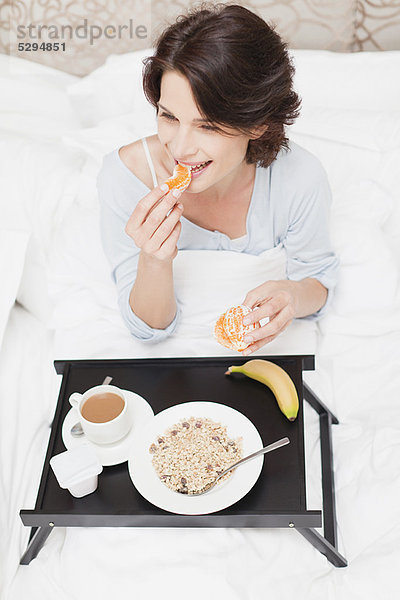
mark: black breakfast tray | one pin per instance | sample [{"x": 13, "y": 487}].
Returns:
[{"x": 278, "y": 499}]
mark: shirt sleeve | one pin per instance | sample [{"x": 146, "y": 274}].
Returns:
[
  {"x": 117, "y": 198},
  {"x": 307, "y": 241}
]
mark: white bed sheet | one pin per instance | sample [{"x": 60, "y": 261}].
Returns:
[{"x": 357, "y": 356}]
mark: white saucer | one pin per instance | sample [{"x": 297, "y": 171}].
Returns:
[{"x": 118, "y": 452}]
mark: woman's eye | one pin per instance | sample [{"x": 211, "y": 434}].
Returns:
[
  {"x": 172, "y": 118},
  {"x": 167, "y": 116}
]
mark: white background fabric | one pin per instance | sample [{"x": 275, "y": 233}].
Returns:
[
  {"x": 48, "y": 164},
  {"x": 13, "y": 245}
]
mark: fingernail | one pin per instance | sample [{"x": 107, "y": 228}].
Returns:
[
  {"x": 164, "y": 187},
  {"x": 176, "y": 193}
]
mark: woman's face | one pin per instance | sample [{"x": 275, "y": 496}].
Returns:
[{"x": 190, "y": 140}]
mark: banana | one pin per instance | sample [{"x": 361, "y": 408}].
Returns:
[{"x": 276, "y": 379}]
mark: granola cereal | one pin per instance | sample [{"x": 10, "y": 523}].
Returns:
[{"x": 191, "y": 453}]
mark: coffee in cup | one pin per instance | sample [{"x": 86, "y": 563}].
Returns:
[
  {"x": 103, "y": 413},
  {"x": 102, "y": 407}
]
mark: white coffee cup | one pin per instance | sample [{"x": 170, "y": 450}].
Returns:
[{"x": 109, "y": 431}]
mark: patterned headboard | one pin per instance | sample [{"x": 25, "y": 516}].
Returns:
[{"x": 77, "y": 35}]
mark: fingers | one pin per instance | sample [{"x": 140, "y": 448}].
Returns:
[
  {"x": 266, "y": 340},
  {"x": 157, "y": 200},
  {"x": 151, "y": 245},
  {"x": 164, "y": 230},
  {"x": 143, "y": 207},
  {"x": 273, "y": 327},
  {"x": 257, "y": 345},
  {"x": 259, "y": 295},
  {"x": 162, "y": 216},
  {"x": 275, "y": 300},
  {"x": 159, "y": 216},
  {"x": 267, "y": 334},
  {"x": 169, "y": 247},
  {"x": 269, "y": 308}
]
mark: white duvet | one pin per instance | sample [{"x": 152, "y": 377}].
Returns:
[{"x": 54, "y": 130}]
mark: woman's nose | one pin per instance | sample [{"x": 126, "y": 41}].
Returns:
[{"x": 184, "y": 144}]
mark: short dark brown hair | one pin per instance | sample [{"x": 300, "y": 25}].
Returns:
[{"x": 239, "y": 71}]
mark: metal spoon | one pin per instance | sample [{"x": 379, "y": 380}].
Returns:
[
  {"x": 76, "y": 430},
  {"x": 244, "y": 460}
]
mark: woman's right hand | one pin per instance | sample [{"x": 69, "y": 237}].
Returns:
[{"x": 155, "y": 233}]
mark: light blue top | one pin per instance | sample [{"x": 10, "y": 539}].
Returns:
[{"x": 289, "y": 205}]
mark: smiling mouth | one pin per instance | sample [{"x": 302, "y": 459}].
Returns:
[{"x": 198, "y": 167}]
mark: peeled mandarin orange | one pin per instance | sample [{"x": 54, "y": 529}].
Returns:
[
  {"x": 229, "y": 329},
  {"x": 180, "y": 178}
]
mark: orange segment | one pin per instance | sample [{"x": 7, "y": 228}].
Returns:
[
  {"x": 229, "y": 329},
  {"x": 180, "y": 178}
]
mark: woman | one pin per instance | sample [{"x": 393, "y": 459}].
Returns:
[{"x": 221, "y": 83}]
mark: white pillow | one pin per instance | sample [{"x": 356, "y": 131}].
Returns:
[
  {"x": 33, "y": 291},
  {"x": 352, "y": 144},
  {"x": 112, "y": 90},
  {"x": 13, "y": 246},
  {"x": 362, "y": 166},
  {"x": 111, "y": 133},
  {"x": 353, "y": 81},
  {"x": 33, "y": 100},
  {"x": 39, "y": 183},
  {"x": 369, "y": 276},
  {"x": 377, "y": 130}
]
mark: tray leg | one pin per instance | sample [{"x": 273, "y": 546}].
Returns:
[
  {"x": 36, "y": 544},
  {"x": 321, "y": 543},
  {"x": 327, "y": 544}
]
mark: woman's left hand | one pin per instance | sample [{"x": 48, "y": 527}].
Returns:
[{"x": 276, "y": 300}]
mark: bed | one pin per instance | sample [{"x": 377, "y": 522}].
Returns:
[{"x": 58, "y": 302}]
